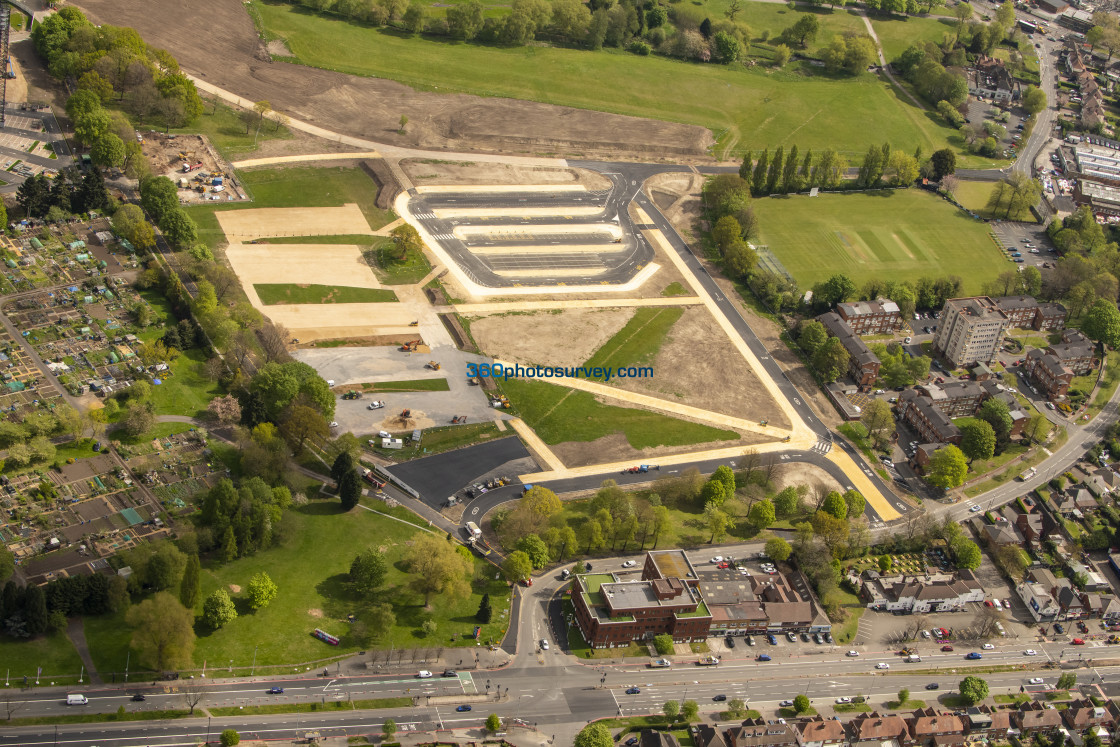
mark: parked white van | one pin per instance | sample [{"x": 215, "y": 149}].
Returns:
[{"x": 76, "y": 699}]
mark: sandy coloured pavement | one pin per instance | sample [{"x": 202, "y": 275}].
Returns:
[
  {"x": 500, "y": 307},
  {"x": 275, "y": 160},
  {"x": 243, "y": 225},
  {"x": 310, "y": 264}
]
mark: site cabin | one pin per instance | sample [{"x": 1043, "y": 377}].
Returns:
[
  {"x": 661, "y": 663},
  {"x": 392, "y": 443}
]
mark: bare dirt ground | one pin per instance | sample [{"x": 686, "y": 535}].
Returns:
[
  {"x": 426, "y": 172},
  {"x": 616, "y": 448},
  {"x": 33, "y": 77},
  {"x": 696, "y": 366},
  {"x": 568, "y": 338},
  {"x": 222, "y": 45},
  {"x": 799, "y": 473},
  {"x": 242, "y": 225}
]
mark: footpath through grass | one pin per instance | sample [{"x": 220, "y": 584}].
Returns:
[
  {"x": 763, "y": 106},
  {"x": 889, "y": 235},
  {"x": 297, "y": 187},
  {"x": 278, "y": 293},
  {"x": 558, "y": 415}
]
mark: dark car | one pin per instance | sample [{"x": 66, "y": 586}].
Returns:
[
  {"x": 587, "y": 566},
  {"x": 933, "y": 686},
  {"x": 275, "y": 691},
  {"x": 974, "y": 655},
  {"x": 633, "y": 691},
  {"x": 463, "y": 708},
  {"x": 138, "y": 697},
  {"x": 631, "y": 741},
  {"x": 1058, "y": 628},
  {"x": 763, "y": 657},
  {"x": 771, "y": 639},
  {"x": 720, "y": 698},
  {"x": 449, "y": 673},
  {"x": 828, "y": 637},
  {"x": 729, "y": 641},
  {"x": 97, "y": 446}
]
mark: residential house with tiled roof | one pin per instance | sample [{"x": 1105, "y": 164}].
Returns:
[
  {"x": 932, "y": 728},
  {"x": 758, "y": 733},
  {"x": 875, "y": 727},
  {"x": 1036, "y": 718},
  {"x": 820, "y": 732},
  {"x": 1082, "y": 714}
]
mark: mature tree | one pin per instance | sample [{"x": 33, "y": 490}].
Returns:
[
  {"x": 781, "y": 55},
  {"x": 690, "y": 711},
  {"x": 193, "y": 692},
  {"x": 302, "y": 423},
  {"x": 878, "y": 420},
  {"x": 350, "y": 489},
  {"x": 108, "y": 150},
  {"x": 717, "y": 521},
  {"x": 190, "y": 588},
  {"x": 1067, "y": 681},
  {"x": 229, "y": 738},
  {"x": 713, "y": 493},
  {"x": 801, "y": 704},
  {"x": 261, "y": 590},
  {"x": 218, "y": 609},
  {"x": 778, "y": 549},
  {"x": 540, "y": 501},
  {"x": 1102, "y": 323},
  {"x": 493, "y": 723},
  {"x": 947, "y": 467},
  {"x": 761, "y": 514},
  {"x": 1034, "y": 100},
  {"x": 388, "y": 729},
  {"x": 596, "y": 734},
  {"x": 831, "y": 360},
  {"x": 834, "y": 504},
  {"x": 535, "y": 548},
  {"x": 727, "y": 47},
  {"x": 438, "y": 568},
  {"x": 968, "y": 554},
  {"x": 812, "y": 336},
  {"x": 978, "y": 440},
  {"x": 226, "y": 410},
  {"x": 485, "y": 612},
  {"x": 973, "y": 690},
  {"x": 805, "y": 30},
  {"x": 368, "y": 571},
  {"x": 158, "y": 196},
  {"x": 342, "y": 464},
  {"x": 785, "y": 502},
  {"x": 856, "y": 503},
  {"x": 163, "y": 632},
  {"x": 672, "y": 710}
]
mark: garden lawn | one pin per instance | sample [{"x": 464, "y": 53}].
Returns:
[
  {"x": 297, "y": 187},
  {"x": 310, "y": 569},
  {"x": 638, "y": 341},
  {"x": 226, "y": 131},
  {"x": 54, "y": 653},
  {"x": 558, "y": 414},
  {"x": 278, "y": 293},
  {"x": 764, "y": 107},
  {"x": 975, "y": 196},
  {"x": 188, "y": 391},
  {"x": 888, "y": 235}
]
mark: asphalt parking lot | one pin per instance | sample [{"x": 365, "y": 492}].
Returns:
[
  {"x": 1015, "y": 237},
  {"x": 440, "y": 476}
]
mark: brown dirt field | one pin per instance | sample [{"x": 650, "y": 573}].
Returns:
[
  {"x": 615, "y": 448},
  {"x": 567, "y": 338},
  {"x": 425, "y": 172},
  {"x": 221, "y": 44},
  {"x": 235, "y": 588},
  {"x": 696, "y": 366},
  {"x": 798, "y": 473},
  {"x": 38, "y": 84}
]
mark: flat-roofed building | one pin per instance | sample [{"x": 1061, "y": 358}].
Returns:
[
  {"x": 870, "y": 317},
  {"x": 971, "y": 330}
]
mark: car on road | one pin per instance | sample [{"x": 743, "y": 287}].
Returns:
[
  {"x": 844, "y": 700},
  {"x": 771, "y": 639},
  {"x": 1035, "y": 681},
  {"x": 828, "y": 637},
  {"x": 139, "y": 697},
  {"x": 449, "y": 673},
  {"x": 946, "y": 648},
  {"x": 631, "y": 741},
  {"x": 632, "y": 563},
  {"x": 463, "y": 708},
  {"x": 1059, "y": 629},
  {"x": 908, "y": 340},
  {"x": 717, "y": 559},
  {"x": 1078, "y": 641},
  {"x": 633, "y": 690},
  {"x": 423, "y": 674},
  {"x": 723, "y": 566},
  {"x": 853, "y": 653},
  {"x": 933, "y": 686},
  {"x": 1030, "y": 652},
  {"x": 334, "y": 424},
  {"x": 925, "y": 634},
  {"x": 763, "y": 657},
  {"x": 974, "y": 655},
  {"x": 275, "y": 691},
  {"x": 988, "y": 646},
  {"x": 719, "y": 698},
  {"x": 974, "y": 509},
  {"x": 544, "y": 644},
  {"x": 785, "y": 704},
  {"x": 750, "y": 640},
  {"x": 791, "y": 637},
  {"x": 882, "y": 665}
]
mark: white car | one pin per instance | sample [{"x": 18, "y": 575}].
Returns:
[
  {"x": 375, "y": 405},
  {"x": 843, "y": 700},
  {"x": 544, "y": 644},
  {"x": 974, "y": 509},
  {"x": 925, "y": 634},
  {"x": 988, "y": 646},
  {"x": 334, "y": 424},
  {"x": 785, "y": 704},
  {"x": 1034, "y": 681},
  {"x": 1030, "y": 652},
  {"x": 629, "y": 564},
  {"x": 424, "y": 674},
  {"x": 882, "y": 665},
  {"x": 716, "y": 559},
  {"x": 853, "y": 653},
  {"x": 908, "y": 340}
]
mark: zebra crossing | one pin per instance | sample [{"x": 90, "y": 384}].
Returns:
[
  {"x": 444, "y": 237},
  {"x": 425, "y": 216},
  {"x": 822, "y": 446}
]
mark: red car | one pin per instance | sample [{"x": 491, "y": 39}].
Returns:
[
  {"x": 723, "y": 566},
  {"x": 946, "y": 648},
  {"x": 1078, "y": 641}
]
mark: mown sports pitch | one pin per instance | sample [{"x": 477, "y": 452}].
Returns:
[{"x": 892, "y": 235}]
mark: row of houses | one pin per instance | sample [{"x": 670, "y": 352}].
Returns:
[
  {"x": 1092, "y": 98},
  {"x": 670, "y": 597},
  {"x": 930, "y": 409},
  {"x": 1052, "y": 370},
  {"x": 926, "y": 727},
  {"x": 934, "y": 592}
]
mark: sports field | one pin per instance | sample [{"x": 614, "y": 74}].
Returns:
[
  {"x": 747, "y": 108},
  {"x": 893, "y": 235}
]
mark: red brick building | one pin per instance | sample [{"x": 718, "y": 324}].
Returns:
[
  {"x": 1048, "y": 373},
  {"x": 870, "y": 317}
]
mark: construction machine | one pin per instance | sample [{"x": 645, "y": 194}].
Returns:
[{"x": 434, "y": 365}]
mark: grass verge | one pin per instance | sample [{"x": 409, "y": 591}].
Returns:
[
  {"x": 445, "y": 438},
  {"x": 278, "y": 293},
  {"x": 415, "y": 385},
  {"x": 261, "y": 710}
]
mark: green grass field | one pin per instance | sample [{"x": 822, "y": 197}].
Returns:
[
  {"x": 445, "y": 438},
  {"x": 54, "y": 653},
  {"x": 277, "y": 293},
  {"x": 747, "y": 108},
  {"x": 226, "y": 131},
  {"x": 558, "y": 414},
  {"x": 415, "y": 385},
  {"x": 975, "y": 196},
  {"x": 893, "y": 235},
  {"x": 896, "y": 34},
  {"x": 310, "y": 570},
  {"x": 297, "y": 187},
  {"x": 638, "y": 341}
]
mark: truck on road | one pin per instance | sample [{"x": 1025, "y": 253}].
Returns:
[
  {"x": 661, "y": 663},
  {"x": 707, "y": 661}
]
